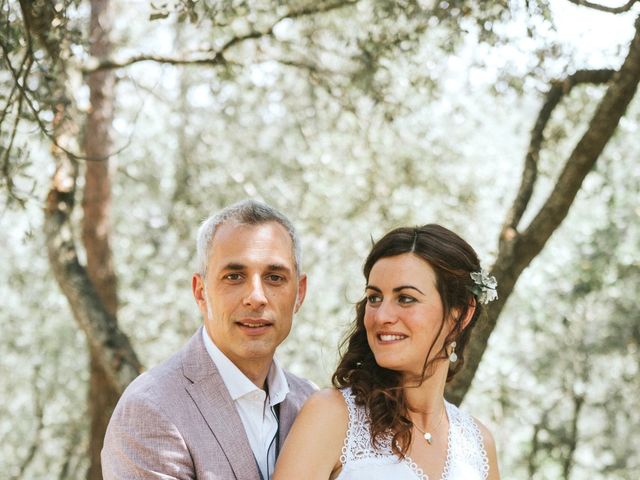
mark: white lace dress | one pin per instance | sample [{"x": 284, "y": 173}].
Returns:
[{"x": 466, "y": 456}]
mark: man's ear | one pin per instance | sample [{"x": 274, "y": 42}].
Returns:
[
  {"x": 302, "y": 291},
  {"x": 197, "y": 288}
]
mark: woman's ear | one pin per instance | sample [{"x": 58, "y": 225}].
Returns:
[
  {"x": 455, "y": 314},
  {"x": 470, "y": 311}
]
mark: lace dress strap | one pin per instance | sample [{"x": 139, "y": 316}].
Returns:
[
  {"x": 466, "y": 455},
  {"x": 356, "y": 443},
  {"x": 466, "y": 446}
]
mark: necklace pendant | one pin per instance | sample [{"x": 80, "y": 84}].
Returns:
[{"x": 428, "y": 437}]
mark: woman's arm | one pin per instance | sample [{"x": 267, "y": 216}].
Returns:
[
  {"x": 490, "y": 448},
  {"x": 313, "y": 447}
]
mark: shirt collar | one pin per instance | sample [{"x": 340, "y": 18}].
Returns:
[{"x": 237, "y": 382}]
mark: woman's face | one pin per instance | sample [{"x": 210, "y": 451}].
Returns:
[{"x": 404, "y": 313}]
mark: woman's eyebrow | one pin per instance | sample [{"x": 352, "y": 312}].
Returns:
[
  {"x": 395, "y": 290},
  {"x": 402, "y": 287}
]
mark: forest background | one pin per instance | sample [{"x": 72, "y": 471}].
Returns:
[{"x": 515, "y": 123}]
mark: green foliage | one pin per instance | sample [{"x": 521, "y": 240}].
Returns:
[
  {"x": 574, "y": 324},
  {"x": 352, "y": 120},
  {"x": 43, "y": 376}
]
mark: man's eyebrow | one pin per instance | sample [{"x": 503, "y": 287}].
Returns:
[
  {"x": 234, "y": 266},
  {"x": 279, "y": 267},
  {"x": 272, "y": 267}
]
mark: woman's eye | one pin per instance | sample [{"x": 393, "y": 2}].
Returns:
[
  {"x": 371, "y": 299},
  {"x": 406, "y": 299}
]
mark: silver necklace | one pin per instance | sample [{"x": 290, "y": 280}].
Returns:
[{"x": 427, "y": 435}]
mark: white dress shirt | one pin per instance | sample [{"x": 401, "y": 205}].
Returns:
[{"x": 253, "y": 405}]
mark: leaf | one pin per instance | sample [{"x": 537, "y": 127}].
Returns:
[{"x": 158, "y": 15}]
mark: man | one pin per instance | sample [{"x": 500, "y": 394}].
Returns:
[{"x": 222, "y": 406}]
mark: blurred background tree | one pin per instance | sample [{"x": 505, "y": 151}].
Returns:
[{"x": 353, "y": 117}]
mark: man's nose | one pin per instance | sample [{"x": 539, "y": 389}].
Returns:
[{"x": 256, "y": 297}]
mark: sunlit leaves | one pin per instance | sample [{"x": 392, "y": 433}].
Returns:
[{"x": 352, "y": 120}]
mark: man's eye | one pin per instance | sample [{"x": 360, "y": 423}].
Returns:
[
  {"x": 233, "y": 276},
  {"x": 275, "y": 278}
]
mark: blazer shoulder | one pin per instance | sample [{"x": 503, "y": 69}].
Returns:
[
  {"x": 171, "y": 374},
  {"x": 154, "y": 383},
  {"x": 300, "y": 385}
]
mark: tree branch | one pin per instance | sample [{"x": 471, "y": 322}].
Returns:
[
  {"x": 26, "y": 60},
  {"x": 6, "y": 160},
  {"x": 596, "y": 6},
  {"x": 45, "y": 131},
  {"x": 38, "y": 17},
  {"x": 531, "y": 458},
  {"x": 559, "y": 89},
  {"x": 71, "y": 448},
  {"x": 97, "y": 143},
  {"x": 603, "y": 124},
  {"x": 216, "y": 57},
  {"x": 569, "y": 459},
  {"x": 38, "y": 407},
  {"x": 515, "y": 252},
  {"x": 100, "y": 327},
  {"x": 107, "y": 64},
  {"x": 23, "y": 71}
]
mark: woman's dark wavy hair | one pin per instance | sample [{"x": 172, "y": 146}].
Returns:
[{"x": 378, "y": 389}]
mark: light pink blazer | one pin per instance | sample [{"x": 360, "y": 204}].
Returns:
[{"x": 177, "y": 421}]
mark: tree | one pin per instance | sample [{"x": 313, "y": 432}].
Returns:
[
  {"x": 359, "y": 42},
  {"x": 519, "y": 245}
]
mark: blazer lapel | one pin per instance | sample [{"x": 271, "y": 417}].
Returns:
[
  {"x": 288, "y": 414},
  {"x": 289, "y": 409},
  {"x": 212, "y": 398}
]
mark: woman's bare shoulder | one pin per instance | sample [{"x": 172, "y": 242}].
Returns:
[
  {"x": 328, "y": 400},
  {"x": 315, "y": 441},
  {"x": 487, "y": 436}
]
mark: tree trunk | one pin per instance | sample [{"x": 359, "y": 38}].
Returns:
[
  {"x": 111, "y": 351},
  {"x": 90, "y": 293},
  {"x": 96, "y": 225},
  {"x": 518, "y": 248}
]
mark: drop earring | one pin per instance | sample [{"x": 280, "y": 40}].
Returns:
[{"x": 453, "y": 357}]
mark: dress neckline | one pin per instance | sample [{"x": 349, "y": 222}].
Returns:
[{"x": 417, "y": 470}]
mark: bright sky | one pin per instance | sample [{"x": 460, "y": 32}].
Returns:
[{"x": 590, "y": 31}]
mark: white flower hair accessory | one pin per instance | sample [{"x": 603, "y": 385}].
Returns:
[{"x": 485, "y": 286}]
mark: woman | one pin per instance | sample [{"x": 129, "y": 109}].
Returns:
[{"x": 387, "y": 417}]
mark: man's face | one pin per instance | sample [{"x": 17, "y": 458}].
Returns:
[{"x": 250, "y": 292}]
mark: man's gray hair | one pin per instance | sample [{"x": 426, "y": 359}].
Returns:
[{"x": 245, "y": 212}]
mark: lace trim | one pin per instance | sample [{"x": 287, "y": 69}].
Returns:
[
  {"x": 477, "y": 452},
  {"x": 464, "y": 441},
  {"x": 357, "y": 443},
  {"x": 416, "y": 469},
  {"x": 447, "y": 463}
]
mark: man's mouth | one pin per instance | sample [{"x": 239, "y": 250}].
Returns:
[{"x": 254, "y": 323}]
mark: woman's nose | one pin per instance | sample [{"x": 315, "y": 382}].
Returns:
[{"x": 386, "y": 313}]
